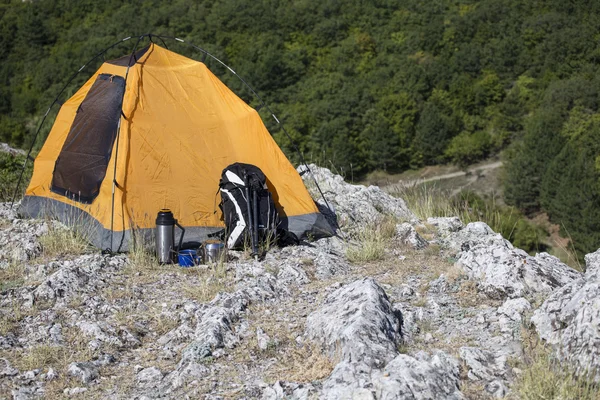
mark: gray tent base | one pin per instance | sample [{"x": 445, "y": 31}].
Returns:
[{"x": 308, "y": 225}]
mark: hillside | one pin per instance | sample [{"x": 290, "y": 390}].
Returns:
[
  {"x": 361, "y": 86},
  {"x": 399, "y": 308}
]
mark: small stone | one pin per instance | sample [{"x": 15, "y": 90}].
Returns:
[
  {"x": 149, "y": 376},
  {"x": 406, "y": 234},
  {"x": 51, "y": 374},
  {"x": 85, "y": 371},
  {"x": 74, "y": 391},
  {"x": 263, "y": 339}
]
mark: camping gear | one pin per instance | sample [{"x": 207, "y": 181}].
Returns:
[
  {"x": 213, "y": 251},
  {"x": 122, "y": 147},
  {"x": 165, "y": 236},
  {"x": 188, "y": 258},
  {"x": 248, "y": 208}
]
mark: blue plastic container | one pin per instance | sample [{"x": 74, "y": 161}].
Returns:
[{"x": 188, "y": 258}]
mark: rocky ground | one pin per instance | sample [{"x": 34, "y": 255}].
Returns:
[{"x": 394, "y": 308}]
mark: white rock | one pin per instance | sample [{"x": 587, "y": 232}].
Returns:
[
  {"x": 263, "y": 339},
  {"x": 515, "y": 308},
  {"x": 570, "y": 320},
  {"x": 358, "y": 322},
  {"x": 84, "y": 371},
  {"x": 425, "y": 377},
  {"x": 149, "y": 376},
  {"x": 483, "y": 365},
  {"x": 355, "y": 205},
  {"x": 6, "y": 369},
  {"x": 406, "y": 234},
  {"x": 503, "y": 271},
  {"x": 446, "y": 225}
]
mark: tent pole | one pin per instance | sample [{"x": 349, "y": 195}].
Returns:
[
  {"x": 263, "y": 104},
  {"x": 112, "y": 211},
  {"x": 49, "y": 108}
]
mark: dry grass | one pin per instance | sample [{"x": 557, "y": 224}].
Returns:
[
  {"x": 211, "y": 281},
  {"x": 372, "y": 241},
  {"x": 59, "y": 357},
  {"x": 302, "y": 364},
  {"x": 63, "y": 241},
  {"x": 543, "y": 377},
  {"x": 284, "y": 358},
  {"x": 424, "y": 263},
  {"x": 12, "y": 275}
]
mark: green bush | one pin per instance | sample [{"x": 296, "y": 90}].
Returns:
[{"x": 10, "y": 169}]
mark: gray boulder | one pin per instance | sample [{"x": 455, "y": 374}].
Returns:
[
  {"x": 20, "y": 241},
  {"x": 503, "y": 271},
  {"x": 485, "y": 366},
  {"x": 455, "y": 239},
  {"x": 569, "y": 320},
  {"x": 420, "y": 377},
  {"x": 446, "y": 225},
  {"x": 357, "y": 323},
  {"x": 149, "y": 377},
  {"x": 355, "y": 205}
]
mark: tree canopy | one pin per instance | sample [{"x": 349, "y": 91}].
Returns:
[{"x": 359, "y": 85}]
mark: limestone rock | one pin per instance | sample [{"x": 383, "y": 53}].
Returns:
[
  {"x": 349, "y": 380},
  {"x": 446, "y": 225},
  {"x": 419, "y": 377},
  {"x": 455, "y": 238},
  {"x": 262, "y": 339},
  {"x": 149, "y": 376},
  {"x": 406, "y": 234},
  {"x": 570, "y": 320},
  {"x": 84, "y": 371},
  {"x": 504, "y": 271},
  {"x": 357, "y": 321},
  {"x": 485, "y": 366},
  {"x": 5, "y": 148},
  {"x": 20, "y": 241},
  {"x": 355, "y": 205},
  {"x": 7, "y": 369}
]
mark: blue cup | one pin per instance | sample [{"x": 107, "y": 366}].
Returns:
[{"x": 188, "y": 258}]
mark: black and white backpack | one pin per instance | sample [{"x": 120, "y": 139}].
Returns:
[{"x": 248, "y": 208}]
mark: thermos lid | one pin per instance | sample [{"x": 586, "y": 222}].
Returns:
[{"x": 165, "y": 217}]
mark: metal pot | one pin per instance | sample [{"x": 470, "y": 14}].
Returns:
[{"x": 214, "y": 251}]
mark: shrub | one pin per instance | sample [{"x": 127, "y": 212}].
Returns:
[{"x": 10, "y": 169}]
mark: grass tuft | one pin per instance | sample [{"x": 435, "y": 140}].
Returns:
[
  {"x": 61, "y": 240},
  {"x": 544, "y": 377},
  {"x": 218, "y": 279},
  {"x": 12, "y": 275},
  {"x": 372, "y": 241}
]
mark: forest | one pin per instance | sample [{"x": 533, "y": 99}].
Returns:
[{"x": 361, "y": 85}]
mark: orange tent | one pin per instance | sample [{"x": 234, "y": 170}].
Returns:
[{"x": 163, "y": 138}]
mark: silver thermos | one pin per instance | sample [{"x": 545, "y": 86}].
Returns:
[{"x": 165, "y": 236}]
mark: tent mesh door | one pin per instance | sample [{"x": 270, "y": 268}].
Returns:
[{"x": 81, "y": 165}]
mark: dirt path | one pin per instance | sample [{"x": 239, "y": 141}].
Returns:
[{"x": 415, "y": 182}]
